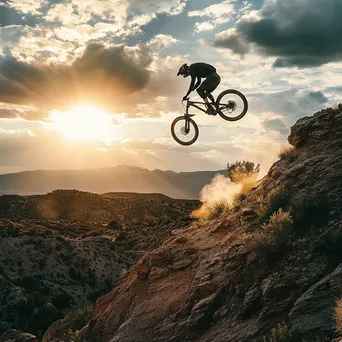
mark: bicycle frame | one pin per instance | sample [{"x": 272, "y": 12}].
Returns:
[{"x": 193, "y": 104}]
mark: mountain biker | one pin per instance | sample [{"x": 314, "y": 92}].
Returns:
[{"x": 204, "y": 90}]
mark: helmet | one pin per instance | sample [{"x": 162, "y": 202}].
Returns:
[{"x": 182, "y": 70}]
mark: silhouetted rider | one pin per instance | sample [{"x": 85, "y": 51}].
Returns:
[{"x": 204, "y": 90}]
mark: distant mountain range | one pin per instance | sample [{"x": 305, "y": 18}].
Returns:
[{"x": 121, "y": 178}]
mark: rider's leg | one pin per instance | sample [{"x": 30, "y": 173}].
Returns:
[
  {"x": 202, "y": 92},
  {"x": 210, "y": 97}
]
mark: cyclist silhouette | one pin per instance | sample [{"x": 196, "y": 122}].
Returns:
[{"x": 212, "y": 80}]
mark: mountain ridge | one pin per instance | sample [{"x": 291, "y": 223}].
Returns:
[{"x": 121, "y": 178}]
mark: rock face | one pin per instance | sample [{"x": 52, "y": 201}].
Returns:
[{"x": 206, "y": 283}]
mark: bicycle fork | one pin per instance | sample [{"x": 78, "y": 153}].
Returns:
[{"x": 187, "y": 118}]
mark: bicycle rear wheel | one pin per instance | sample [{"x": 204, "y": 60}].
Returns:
[
  {"x": 184, "y": 130},
  {"x": 231, "y": 105}
]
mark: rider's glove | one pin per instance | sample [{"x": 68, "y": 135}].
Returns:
[{"x": 185, "y": 98}]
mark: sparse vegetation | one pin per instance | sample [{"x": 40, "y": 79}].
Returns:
[
  {"x": 77, "y": 319},
  {"x": 241, "y": 170},
  {"x": 275, "y": 199},
  {"x": 306, "y": 210},
  {"x": 272, "y": 239},
  {"x": 285, "y": 152},
  {"x": 124, "y": 273},
  {"x": 217, "y": 208},
  {"x": 278, "y": 334}
]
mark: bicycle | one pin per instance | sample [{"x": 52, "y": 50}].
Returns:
[{"x": 225, "y": 107}]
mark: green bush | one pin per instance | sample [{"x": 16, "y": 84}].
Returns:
[
  {"x": 271, "y": 241},
  {"x": 275, "y": 199},
  {"x": 78, "y": 318},
  {"x": 307, "y": 210}
]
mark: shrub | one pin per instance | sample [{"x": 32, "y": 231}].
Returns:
[
  {"x": 114, "y": 225},
  {"x": 79, "y": 318},
  {"x": 241, "y": 170},
  {"x": 271, "y": 241},
  {"x": 124, "y": 273},
  {"x": 217, "y": 208},
  {"x": 121, "y": 236},
  {"x": 338, "y": 316},
  {"x": 278, "y": 334},
  {"x": 275, "y": 199},
  {"x": 285, "y": 152},
  {"x": 306, "y": 210}
]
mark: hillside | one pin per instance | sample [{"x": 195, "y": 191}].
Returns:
[
  {"x": 113, "y": 179},
  {"x": 252, "y": 269},
  {"x": 62, "y": 250}
]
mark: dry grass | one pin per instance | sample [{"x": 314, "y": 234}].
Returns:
[
  {"x": 275, "y": 199},
  {"x": 278, "y": 334},
  {"x": 211, "y": 210},
  {"x": 285, "y": 151},
  {"x": 217, "y": 208},
  {"x": 272, "y": 239},
  {"x": 338, "y": 315}
]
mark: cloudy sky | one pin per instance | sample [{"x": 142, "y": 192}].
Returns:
[{"x": 92, "y": 83}]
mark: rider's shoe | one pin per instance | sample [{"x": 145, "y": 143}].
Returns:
[{"x": 210, "y": 110}]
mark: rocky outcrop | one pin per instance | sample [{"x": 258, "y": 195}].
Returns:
[{"x": 206, "y": 284}]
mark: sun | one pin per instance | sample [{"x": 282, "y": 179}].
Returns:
[{"x": 84, "y": 123}]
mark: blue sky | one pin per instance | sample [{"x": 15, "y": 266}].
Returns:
[{"x": 67, "y": 67}]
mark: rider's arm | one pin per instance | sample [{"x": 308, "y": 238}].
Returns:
[
  {"x": 197, "y": 83},
  {"x": 193, "y": 78}
]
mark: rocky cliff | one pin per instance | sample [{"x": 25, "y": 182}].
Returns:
[{"x": 274, "y": 261}]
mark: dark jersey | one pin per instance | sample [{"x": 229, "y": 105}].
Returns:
[{"x": 199, "y": 70}]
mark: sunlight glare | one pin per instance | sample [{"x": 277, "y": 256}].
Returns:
[{"x": 84, "y": 123}]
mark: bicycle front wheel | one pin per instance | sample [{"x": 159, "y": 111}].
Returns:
[
  {"x": 184, "y": 130},
  {"x": 231, "y": 105}
]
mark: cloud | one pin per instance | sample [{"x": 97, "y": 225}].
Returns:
[
  {"x": 217, "y": 10},
  {"x": 161, "y": 41},
  {"x": 276, "y": 125},
  {"x": 228, "y": 39},
  {"x": 291, "y": 104},
  {"x": 99, "y": 74},
  {"x": 204, "y": 26},
  {"x": 26, "y": 6},
  {"x": 296, "y": 32},
  {"x": 8, "y": 111},
  {"x": 9, "y": 16}
]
